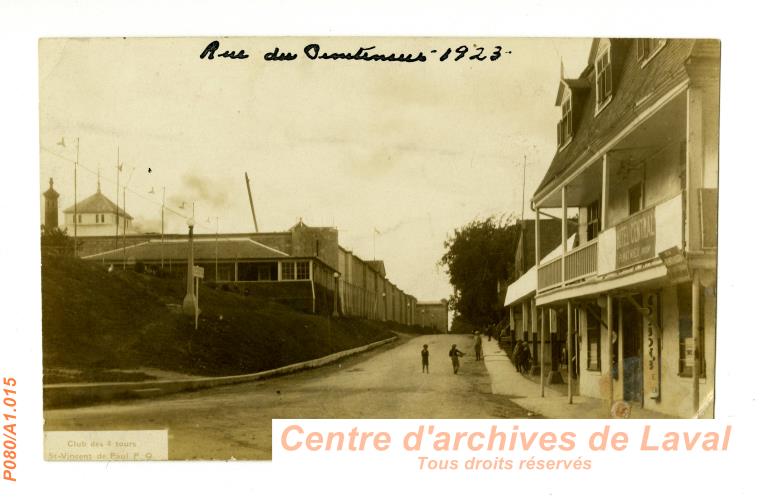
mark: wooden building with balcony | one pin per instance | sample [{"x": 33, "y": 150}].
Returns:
[{"x": 635, "y": 283}]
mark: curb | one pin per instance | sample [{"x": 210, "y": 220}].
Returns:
[{"x": 58, "y": 395}]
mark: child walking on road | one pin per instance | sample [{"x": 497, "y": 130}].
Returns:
[
  {"x": 424, "y": 354},
  {"x": 455, "y": 354}
]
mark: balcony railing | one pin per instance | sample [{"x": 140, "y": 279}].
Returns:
[
  {"x": 635, "y": 240},
  {"x": 581, "y": 262},
  {"x": 550, "y": 274}
]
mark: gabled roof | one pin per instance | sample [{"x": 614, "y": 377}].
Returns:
[
  {"x": 632, "y": 83},
  {"x": 97, "y": 204},
  {"x": 580, "y": 84},
  {"x": 203, "y": 249}
]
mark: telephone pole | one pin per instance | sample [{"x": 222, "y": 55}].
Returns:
[
  {"x": 251, "y": 202},
  {"x": 118, "y": 169},
  {"x": 124, "y": 232},
  {"x": 76, "y": 215},
  {"x": 163, "y": 200}
]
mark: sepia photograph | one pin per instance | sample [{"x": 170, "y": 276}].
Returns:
[{"x": 240, "y": 229}]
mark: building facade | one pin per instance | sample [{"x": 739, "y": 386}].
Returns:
[
  {"x": 633, "y": 289},
  {"x": 96, "y": 215},
  {"x": 434, "y": 314}
]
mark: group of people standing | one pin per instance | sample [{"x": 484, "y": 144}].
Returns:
[
  {"x": 522, "y": 356},
  {"x": 455, "y": 354}
]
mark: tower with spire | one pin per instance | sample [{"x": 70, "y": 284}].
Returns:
[{"x": 51, "y": 207}]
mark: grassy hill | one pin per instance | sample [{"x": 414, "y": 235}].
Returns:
[{"x": 100, "y": 326}]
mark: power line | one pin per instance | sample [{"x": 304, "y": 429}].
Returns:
[{"x": 131, "y": 190}]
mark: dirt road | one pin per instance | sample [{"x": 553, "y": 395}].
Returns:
[{"x": 235, "y": 421}]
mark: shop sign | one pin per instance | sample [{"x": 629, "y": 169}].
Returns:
[
  {"x": 676, "y": 265},
  {"x": 635, "y": 239},
  {"x": 652, "y": 349}
]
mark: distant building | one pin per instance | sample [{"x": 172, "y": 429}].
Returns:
[
  {"x": 434, "y": 314},
  {"x": 96, "y": 216}
]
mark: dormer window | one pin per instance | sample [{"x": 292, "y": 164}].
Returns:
[
  {"x": 648, "y": 47},
  {"x": 603, "y": 79},
  {"x": 565, "y": 125}
]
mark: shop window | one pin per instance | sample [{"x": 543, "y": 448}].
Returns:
[
  {"x": 593, "y": 220},
  {"x": 264, "y": 273},
  {"x": 593, "y": 340},
  {"x": 288, "y": 271},
  {"x": 256, "y": 271},
  {"x": 603, "y": 79},
  {"x": 302, "y": 270},
  {"x": 686, "y": 343}
]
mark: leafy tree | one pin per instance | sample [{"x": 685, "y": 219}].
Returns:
[
  {"x": 56, "y": 241},
  {"x": 478, "y": 256}
]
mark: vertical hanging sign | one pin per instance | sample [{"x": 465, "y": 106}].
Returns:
[{"x": 652, "y": 349}]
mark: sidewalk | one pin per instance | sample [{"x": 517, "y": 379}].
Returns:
[{"x": 521, "y": 390}]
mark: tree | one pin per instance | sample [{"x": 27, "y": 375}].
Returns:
[
  {"x": 56, "y": 241},
  {"x": 479, "y": 256}
]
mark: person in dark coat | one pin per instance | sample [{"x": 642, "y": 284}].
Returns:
[
  {"x": 516, "y": 356},
  {"x": 455, "y": 354},
  {"x": 526, "y": 358},
  {"x": 424, "y": 355}
]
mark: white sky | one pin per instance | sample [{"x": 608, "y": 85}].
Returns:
[{"x": 414, "y": 150}]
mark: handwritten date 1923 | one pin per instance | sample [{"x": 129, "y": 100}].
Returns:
[{"x": 211, "y": 50}]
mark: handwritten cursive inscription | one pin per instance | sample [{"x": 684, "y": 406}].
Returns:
[
  {"x": 312, "y": 51},
  {"x": 211, "y": 50}
]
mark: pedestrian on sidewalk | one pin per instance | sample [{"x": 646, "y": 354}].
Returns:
[
  {"x": 477, "y": 345},
  {"x": 526, "y": 358},
  {"x": 424, "y": 355},
  {"x": 516, "y": 355},
  {"x": 455, "y": 354},
  {"x": 489, "y": 332}
]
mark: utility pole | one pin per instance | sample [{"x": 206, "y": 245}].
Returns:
[
  {"x": 251, "y": 202},
  {"x": 118, "y": 169},
  {"x": 216, "y": 253},
  {"x": 76, "y": 215},
  {"x": 163, "y": 200},
  {"x": 124, "y": 232}
]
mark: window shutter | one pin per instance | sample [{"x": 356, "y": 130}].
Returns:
[{"x": 560, "y": 133}]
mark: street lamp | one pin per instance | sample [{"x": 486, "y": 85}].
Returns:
[
  {"x": 189, "y": 302},
  {"x": 385, "y": 317}
]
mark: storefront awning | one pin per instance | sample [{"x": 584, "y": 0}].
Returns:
[{"x": 523, "y": 287}]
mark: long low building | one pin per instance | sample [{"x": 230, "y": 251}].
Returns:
[{"x": 302, "y": 267}]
